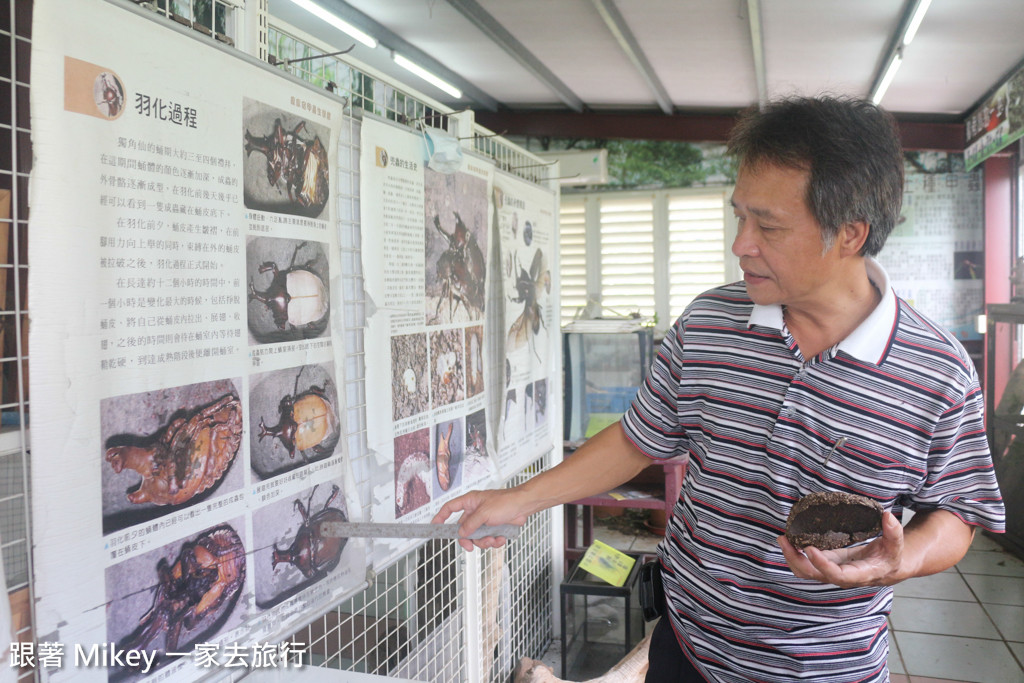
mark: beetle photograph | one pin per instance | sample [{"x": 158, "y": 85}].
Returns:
[
  {"x": 474, "y": 360},
  {"x": 448, "y": 367},
  {"x": 531, "y": 290},
  {"x": 449, "y": 455},
  {"x": 540, "y": 402},
  {"x": 183, "y": 593},
  {"x": 477, "y": 464},
  {"x": 288, "y": 284},
  {"x": 109, "y": 95},
  {"x": 292, "y": 554},
  {"x": 410, "y": 379},
  {"x": 456, "y": 247},
  {"x": 293, "y": 418},
  {"x": 412, "y": 471},
  {"x": 285, "y": 166},
  {"x": 167, "y": 449}
]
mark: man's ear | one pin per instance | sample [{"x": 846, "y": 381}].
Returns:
[{"x": 852, "y": 237}]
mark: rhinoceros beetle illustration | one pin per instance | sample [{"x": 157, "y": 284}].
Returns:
[
  {"x": 308, "y": 422},
  {"x": 313, "y": 554},
  {"x": 297, "y": 297}
]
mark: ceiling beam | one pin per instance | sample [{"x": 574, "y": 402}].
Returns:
[
  {"x": 684, "y": 127},
  {"x": 615, "y": 22},
  {"x": 480, "y": 18},
  {"x": 389, "y": 40},
  {"x": 942, "y": 137},
  {"x": 757, "y": 47}
]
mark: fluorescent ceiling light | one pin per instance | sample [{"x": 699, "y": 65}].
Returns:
[
  {"x": 915, "y": 21},
  {"x": 426, "y": 75},
  {"x": 890, "y": 73},
  {"x": 336, "y": 22}
]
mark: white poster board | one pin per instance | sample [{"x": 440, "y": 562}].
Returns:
[
  {"x": 425, "y": 237},
  {"x": 525, "y": 215},
  {"x": 186, "y": 344}
]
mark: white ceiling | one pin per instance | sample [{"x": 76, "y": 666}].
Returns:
[{"x": 701, "y": 54}]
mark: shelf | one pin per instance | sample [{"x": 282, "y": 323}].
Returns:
[
  {"x": 647, "y": 496},
  {"x": 656, "y": 488}
]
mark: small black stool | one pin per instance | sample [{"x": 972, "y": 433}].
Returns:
[{"x": 580, "y": 585}]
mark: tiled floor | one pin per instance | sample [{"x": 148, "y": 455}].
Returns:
[{"x": 963, "y": 625}]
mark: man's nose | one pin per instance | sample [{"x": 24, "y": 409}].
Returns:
[{"x": 744, "y": 243}]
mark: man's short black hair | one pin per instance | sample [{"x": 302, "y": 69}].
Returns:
[{"x": 851, "y": 149}]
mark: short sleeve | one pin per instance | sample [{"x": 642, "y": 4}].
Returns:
[
  {"x": 960, "y": 477},
  {"x": 652, "y": 421}
]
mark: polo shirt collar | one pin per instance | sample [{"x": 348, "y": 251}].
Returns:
[{"x": 870, "y": 341}]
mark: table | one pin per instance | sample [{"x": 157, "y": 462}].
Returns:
[{"x": 578, "y": 587}]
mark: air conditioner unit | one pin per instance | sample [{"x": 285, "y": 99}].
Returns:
[{"x": 580, "y": 166}]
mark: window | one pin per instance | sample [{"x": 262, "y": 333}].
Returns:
[
  {"x": 573, "y": 256},
  {"x": 644, "y": 252}
]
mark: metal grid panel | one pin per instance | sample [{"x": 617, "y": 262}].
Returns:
[
  {"x": 411, "y": 619},
  {"x": 214, "y": 18},
  {"x": 324, "y": 69},
  {"x": 16, "y": 156},
  {"x": 516, "y": 584},
  {"x": 512, "y": 158}
]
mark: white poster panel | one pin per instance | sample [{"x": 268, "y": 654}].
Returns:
[
  {"x": 525, "y": 215},
  {"x": 936, "y": 254},
  {"x": 185, "y": 291},
  {"x": 425, "y": 246}
]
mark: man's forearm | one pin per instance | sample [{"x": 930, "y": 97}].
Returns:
[
  {"x": 934, "y": 541},
  {"x": 603, "y": 462}
]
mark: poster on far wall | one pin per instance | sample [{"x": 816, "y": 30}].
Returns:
[
  {"x": 425, "y": 246},
  {"x": 185, "y": 283},
  {"x": 998, "y": 121},
  {"x": 935, "y": 255},
  {"x": 525, "y": 215}
]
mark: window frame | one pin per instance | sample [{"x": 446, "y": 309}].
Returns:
[{"x": 660, "y": 201}]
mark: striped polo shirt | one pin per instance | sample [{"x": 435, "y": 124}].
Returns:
[{"x": 730, "y": 387}]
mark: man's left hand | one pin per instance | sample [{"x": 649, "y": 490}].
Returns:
[{"x": 873, "y": 564}]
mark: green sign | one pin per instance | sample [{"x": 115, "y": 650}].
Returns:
[{"x": 997, "y": 122}]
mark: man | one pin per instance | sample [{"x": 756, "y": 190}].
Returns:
[{"x": 757, "y": 381}]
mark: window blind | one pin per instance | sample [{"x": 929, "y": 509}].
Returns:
[
  {"x": 627, "y": 256},
  {"x": 573, "y": 257},
  {"x": 650, "y": 252}
]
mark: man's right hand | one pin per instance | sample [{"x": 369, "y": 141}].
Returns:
[
  {"x": 493, "y": 507},
  {"x": 602, "y": 463}
]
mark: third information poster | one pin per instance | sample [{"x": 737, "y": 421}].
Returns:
[{"x": 425, "y": 247}]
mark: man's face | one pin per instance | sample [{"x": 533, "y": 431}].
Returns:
[{"x": 778, "y": 241}]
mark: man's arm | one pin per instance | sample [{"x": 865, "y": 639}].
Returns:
[
  {"x": 932, "y": 541},
  {"x": 603, "y": 462}
]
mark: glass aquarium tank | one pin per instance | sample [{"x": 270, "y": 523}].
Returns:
[{"x": 604, "y": 363}]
